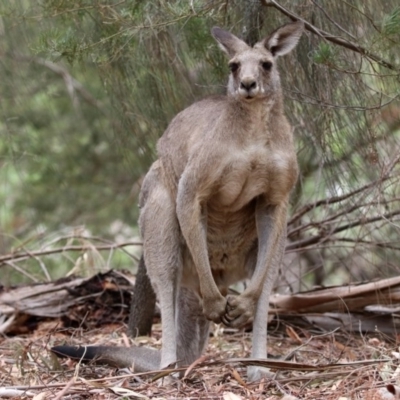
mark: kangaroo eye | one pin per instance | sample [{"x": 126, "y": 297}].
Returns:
[
  {"x": 233, "y": 66},
  {"x": 266, "y": 65}
]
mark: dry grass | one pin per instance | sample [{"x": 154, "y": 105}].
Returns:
[{"x": 26, "y": 364}]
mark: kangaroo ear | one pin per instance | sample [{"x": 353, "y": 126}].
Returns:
[
  {"x": 229, "y": 43},
  {"x": 284, "y": 39}
]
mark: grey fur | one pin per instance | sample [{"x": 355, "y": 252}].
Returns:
[{"x": 214, "y": 204}]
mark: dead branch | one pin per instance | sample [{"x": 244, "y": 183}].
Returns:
[
  {"x": 385, "y": 245},
  {"x": 366, "y": 307},
  {"x": 328, "y": 236},
  {"x": 341, "y": 298},
  {"x": 15, "y": 257}
]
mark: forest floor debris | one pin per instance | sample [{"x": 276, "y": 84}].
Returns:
[
  {"x": 308, "y": 360},
  {"x": 29, "y": 370}
]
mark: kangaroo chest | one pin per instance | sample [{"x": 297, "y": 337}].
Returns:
[{"x": 253, "y": 172}]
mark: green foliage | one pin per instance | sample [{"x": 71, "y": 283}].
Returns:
[
  {"x": 324, "y": 54},
  {"x": 391, "y": 24},
  {"x": 88, "y": 87}
]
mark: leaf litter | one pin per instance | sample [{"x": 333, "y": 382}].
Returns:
[
  {"x": 307, "y": 359},
  {"x": 306, "y": 364}
]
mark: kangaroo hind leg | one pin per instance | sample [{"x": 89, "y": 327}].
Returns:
[
  {"x": 162, "y": 252},
  {"x": 259, "y": 342}
]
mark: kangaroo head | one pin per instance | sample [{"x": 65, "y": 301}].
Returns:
[{"x": 253, "y": 69}]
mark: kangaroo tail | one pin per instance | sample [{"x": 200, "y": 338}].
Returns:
[
  {"x": 142, "y": 304},
  {"x": 142, "y": 359}
]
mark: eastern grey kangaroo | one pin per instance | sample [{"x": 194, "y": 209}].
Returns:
[{"x": 214, "y": 208}]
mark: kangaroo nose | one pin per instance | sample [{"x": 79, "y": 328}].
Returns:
[{"x": 248, "y": 85}]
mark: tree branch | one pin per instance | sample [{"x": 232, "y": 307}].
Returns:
[
  {"x": 323, "y": 237},
  {"x": 331, "y": 219},
  {"x": 331, "y": 38},
  {"x": 385, "y": 176},
  {"x": 70, "y": 82}
]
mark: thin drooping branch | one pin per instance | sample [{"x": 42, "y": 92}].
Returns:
[
  {"x": 384, "y": 245},
  {"x": 332, "y": 38},
  {"x": 328, "y": 236},
  {"x": 333, "y": 21},
  {"x": 324, "y": 236},
  {"x": 334, "y": 218},
  {"x": 336, "y": 199},
  {"x": 306, "y": 99},
  {"x": 71, "y": 83}
]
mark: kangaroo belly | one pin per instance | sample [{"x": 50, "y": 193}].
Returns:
[{"x": 231, "y": 239}]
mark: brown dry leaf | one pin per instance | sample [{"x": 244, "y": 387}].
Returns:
[
  {"x": 346, "y": 350},
  {"x": 293, "y": 335},
  {"x": 125, "y": 340},
  {"x": 94, "y": 384},
  {"x": 110, "y": 285},
  {"x": 194, "y": 364},
  {"x": 238, "y": 378}
]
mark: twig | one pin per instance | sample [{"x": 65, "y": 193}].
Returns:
[
  {"x": 335, "y": 217},
  {"x": 384, "y": 245},
  {"x": 323, "y": 237},
  {"x": 385, "y": 176},
  {"x": 333, "y": 21},
  {"x": 87, "y": 239},
  {"x": 65, "y": 389},
  {"x": 26, "y": 255},
  {"x": 323, "y": 104},
  {"x": 21, "y": 270},
  {"x": 290, "y": 365}
]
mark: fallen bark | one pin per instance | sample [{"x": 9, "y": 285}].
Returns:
[
  {"x": 105, "y": 298},
  {"x": 354, "y": 297}
]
